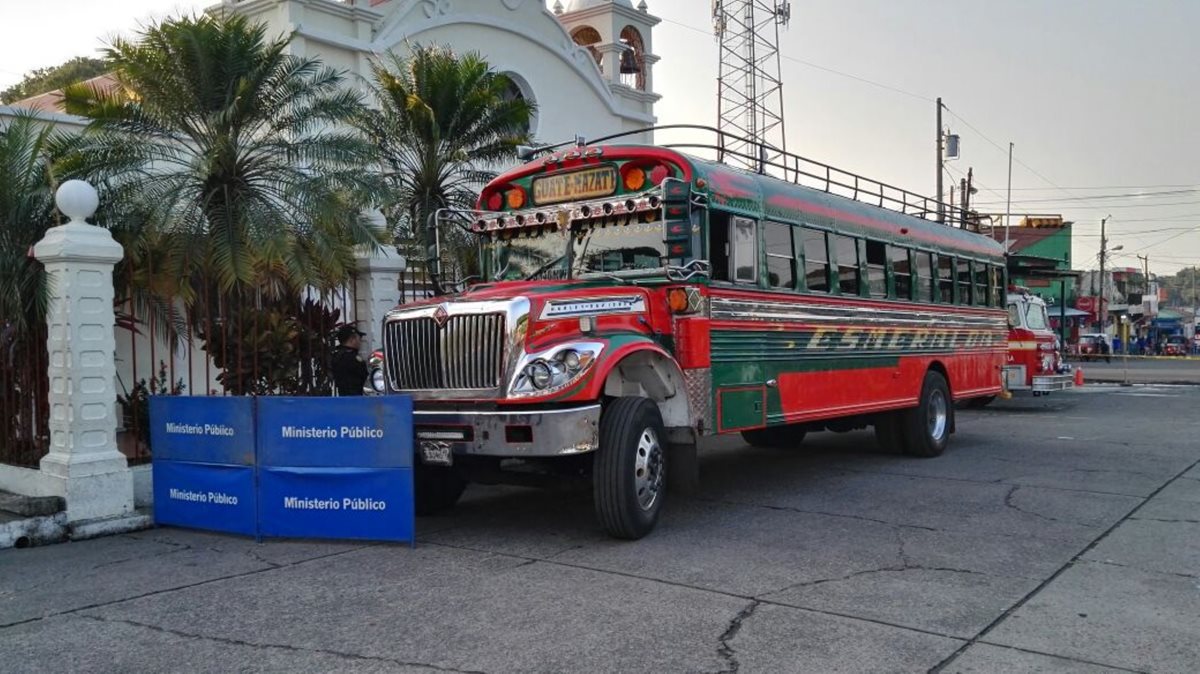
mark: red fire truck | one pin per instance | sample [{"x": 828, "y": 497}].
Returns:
[
  {"x": 1034, "y": 362},
  {"x": 637, "y": 298}
]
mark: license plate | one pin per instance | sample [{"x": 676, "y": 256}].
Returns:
[
  {"x": 436, "y": 453},
  {"x": 597, "y": 182}
]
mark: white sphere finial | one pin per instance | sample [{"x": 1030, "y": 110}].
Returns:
[{"x": 77, "y": 200}]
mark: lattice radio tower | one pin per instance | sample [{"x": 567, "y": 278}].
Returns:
[{"x": 749, "y": 86}]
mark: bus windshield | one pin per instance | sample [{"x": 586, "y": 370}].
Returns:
[{"x": 594, "y": 249}]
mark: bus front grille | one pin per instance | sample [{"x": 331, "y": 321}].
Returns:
[{"x": 464, "y": 353}]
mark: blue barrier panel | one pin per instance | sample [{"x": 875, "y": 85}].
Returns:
[
  {"x": 350, "y": 432},
  {"x": 352, "y": 503},
  {"x": 205, "y": 496},
  {"x": 205, "y": 429},
  {"x": 203, "y": 455},
  {"x": 336, "y": 467}
]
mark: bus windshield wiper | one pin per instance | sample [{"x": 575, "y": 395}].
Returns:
[{"x": 545, "y": 267}]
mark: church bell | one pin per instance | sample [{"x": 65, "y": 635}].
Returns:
[{"x": 629, "y": 64}]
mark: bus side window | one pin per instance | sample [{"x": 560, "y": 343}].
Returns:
[
  {"x": 964, "y": 282},
  {"x": 744, "y": 236},
  {"x": 816, "y": 260},
  {"x": 926, "y": 283},
  {"x": 981, "y": 283},
  {"x": 997, "y": 286},
  {"x": 901, "y": 271},
  {"x": 945, "y": 280},
  {"x": 781, "y": 259},
  {"x": 718, "y": 245},
  {"x": 1014, "y": 316},
  {"x": 846, "y": 250},
  {"x": 877, "y": 268}
]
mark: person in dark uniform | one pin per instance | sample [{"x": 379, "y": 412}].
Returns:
[{"x": 349, "y": 370}]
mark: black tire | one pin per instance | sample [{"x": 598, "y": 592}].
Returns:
[
  {"x": 888, "y": 432},
  {"x": 629, "y": 469},
  {"x": 926, "y": 427},
  {"x": 436, "y": 488},
  {"x": 777, "y": 437}
]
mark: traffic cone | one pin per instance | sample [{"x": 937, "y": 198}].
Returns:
[{"x": 1079, "y": 376}]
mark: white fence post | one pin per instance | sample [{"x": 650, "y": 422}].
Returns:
[{"x": 94, "y": 477}]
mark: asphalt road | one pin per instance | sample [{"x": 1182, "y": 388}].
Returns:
[{"x": 1056, "y": 534}]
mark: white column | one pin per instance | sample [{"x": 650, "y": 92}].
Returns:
[
  {"x": 377, "y": 292},
  {"x": 92, "y": 475}
]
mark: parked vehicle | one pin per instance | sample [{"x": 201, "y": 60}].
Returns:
[
  {"x": 1034, "y": 362},
  {"x": 639, "y": 298},
  {"x": 1175, "y": 345},
  {"x": 1094, "y": 346}
]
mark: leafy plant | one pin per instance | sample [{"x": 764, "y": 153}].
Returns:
[
  {"x": 279, "y": 348},
  {"x": 135, "y": 403}
]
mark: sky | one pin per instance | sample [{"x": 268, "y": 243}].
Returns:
[{"x": 1101, "y": 98}]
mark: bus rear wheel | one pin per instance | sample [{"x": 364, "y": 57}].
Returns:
[
  {"x": 629, "y": 468},
  {"x": 926, "y": 427},
  {"x": 777, "y": 437}
]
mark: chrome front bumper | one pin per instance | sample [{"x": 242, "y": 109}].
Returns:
[
  {"x": 1044, "y": 383},
  {"x": 510, "y": 433}
]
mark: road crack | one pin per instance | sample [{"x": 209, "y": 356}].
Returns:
[
  {"x": 802, "y": 511},
  {"x": 284, "y": 647},
  {"x": 1008, "y": 502},
  {"x": 725, "y": 649}
]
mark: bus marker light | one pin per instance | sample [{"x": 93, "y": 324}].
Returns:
[
  {"x": 635, "y": 178},
  {"x": 677, "y": 300},
  {"x": 515, "y": 198}
]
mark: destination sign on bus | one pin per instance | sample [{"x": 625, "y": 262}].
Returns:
[{"x": 553, "y": 189}]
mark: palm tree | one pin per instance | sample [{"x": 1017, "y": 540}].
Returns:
[
  {"x": 235, "y": 163},
  {"x": 442, "y": 124},
  {"x": 237, "y": 151},
  {"x": 29, "y": 150}
]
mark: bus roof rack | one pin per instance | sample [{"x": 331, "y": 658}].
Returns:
[{"x": 784, "y": 165}]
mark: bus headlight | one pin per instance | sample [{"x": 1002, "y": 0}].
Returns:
[
  {"x": 377, "y": 381},
  {"x": 554, "y": 369}
]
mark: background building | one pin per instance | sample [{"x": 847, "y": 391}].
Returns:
[{"x": 587, "y": 64}]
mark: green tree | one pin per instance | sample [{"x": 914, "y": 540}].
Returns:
[
  {"x": 29, "y": 153},
  {"x": 29, "y": 149},
  {"x": 44, "y": 80},
  {"x": 442, "y": 124},
  {"x": 235, "y": 161}
]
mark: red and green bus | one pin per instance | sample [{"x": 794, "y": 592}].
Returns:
[{"x": 636, "y": 298}]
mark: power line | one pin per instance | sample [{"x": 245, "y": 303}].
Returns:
[{"x": 818, "y": 66}]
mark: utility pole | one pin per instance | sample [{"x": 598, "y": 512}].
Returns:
[
  {"x": 941, "y": 209},
  {"x": 966, "y": 196},
  {"x": 1008, "y": 201},
  {"x": 1145, "y": 273},
  {"x": 1100, "y": 308}
]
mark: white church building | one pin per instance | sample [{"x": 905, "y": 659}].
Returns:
[{"x": 587, "y": 64}]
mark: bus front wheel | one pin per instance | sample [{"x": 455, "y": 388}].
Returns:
[
  {"x": 629, "y": 469},
  {"x": 926, "y": 427}
]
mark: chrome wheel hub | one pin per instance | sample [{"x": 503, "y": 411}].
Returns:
[
  {"x": 648, "y": 469},
  {"x": 938, "y": 415}
]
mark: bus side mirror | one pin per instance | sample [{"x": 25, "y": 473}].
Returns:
[{"x": 677, "y": 221}]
